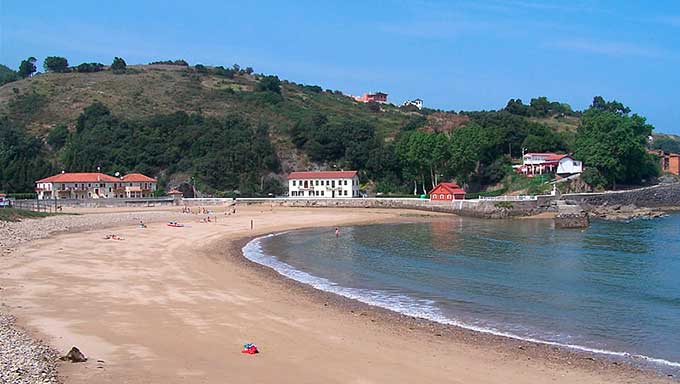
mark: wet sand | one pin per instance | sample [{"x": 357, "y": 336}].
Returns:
[{"x": 175, "y": 305}]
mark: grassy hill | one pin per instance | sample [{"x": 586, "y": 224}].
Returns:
[
  {"x": 49, "y": 99},
  {"x": 231, "y": 129}
]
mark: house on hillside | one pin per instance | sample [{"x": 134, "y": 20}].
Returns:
[
  {"x": 540, "y": 163},
  {"x": 324, "y": 184},
  {"x": 418, "y": 103},
  {"x": 446, "y": 191},
  {"x": 378, "y": 97},
  {"x": 670, "y": 162},
  {"x": 94, "y": 185}
]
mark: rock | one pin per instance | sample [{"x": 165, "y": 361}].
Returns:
[{"x": 74, "y": 356}]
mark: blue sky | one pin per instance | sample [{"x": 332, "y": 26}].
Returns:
[{"x": 456, "y": 55}]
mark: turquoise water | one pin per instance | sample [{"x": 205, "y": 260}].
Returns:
[{"x": 613, "y": 288}]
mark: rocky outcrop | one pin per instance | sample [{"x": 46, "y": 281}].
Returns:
[
  {"x": 624, "y": 212},
  {"x": 571, "y": 215}
]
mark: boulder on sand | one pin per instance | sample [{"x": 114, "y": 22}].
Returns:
[{"x": 74, "y": 356}]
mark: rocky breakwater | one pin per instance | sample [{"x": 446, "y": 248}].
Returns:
[
  {"x": 620, "y": 212},
  {"x": 571, "y": 215}
]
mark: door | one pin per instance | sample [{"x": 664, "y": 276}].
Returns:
[{"x": 334, "y": 194}]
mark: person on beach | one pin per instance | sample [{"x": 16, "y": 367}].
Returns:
[
  {"x": 337, "y": 232},
  {"x": 141, "y": 224}
]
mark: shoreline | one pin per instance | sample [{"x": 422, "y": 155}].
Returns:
[
  {"x": 332, "y": 309},
  {"x": 550, "y": 352}
]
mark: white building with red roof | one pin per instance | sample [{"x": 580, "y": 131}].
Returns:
[
  {"x": 534, "y": 163},
  {"x": 94, "y": 185},
  {"x": 324, "y": 184}
]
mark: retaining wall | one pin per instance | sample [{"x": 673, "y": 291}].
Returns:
[
  {"x": 93, "y": 203},
  {"x": 474, "y": 208},
  {"x": 658, "y": 196}
]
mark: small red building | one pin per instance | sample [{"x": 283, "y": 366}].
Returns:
[
  {"x": 447, "y": 192},
  {"x": 378, "y": 97}
]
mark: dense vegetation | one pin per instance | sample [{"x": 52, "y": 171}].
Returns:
[{"x": 228, "y": 129}]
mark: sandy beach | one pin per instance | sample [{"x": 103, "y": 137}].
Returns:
[{"x": 175, "y": 305}]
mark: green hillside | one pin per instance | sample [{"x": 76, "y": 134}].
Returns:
[{"x": 229, "y": 129}]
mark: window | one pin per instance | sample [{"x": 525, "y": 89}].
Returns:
[
  {"x": 317, "y": 193},
  {"x": 434, "y": 196},
  {"x": 316, "y": 182},
  {"x": 293, "y": 183},
  {"x": 448, "y": 196},
  {"x": 441, "y": 195},
  {"x": 345, "y": 189},
  {"x": 345, "y": 182},
  {"x": 328, "y": 182},
  {"x": 321, "y": 193}
]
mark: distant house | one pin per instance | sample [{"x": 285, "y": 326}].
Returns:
[
  {"x": 418, "y": 103},
  {"x": 447, "y": 192},
  {"x": 94, "y": 186},
  {"x": 539, "y": 163},
  {"x": 324, "y": 184},
  {"x": 378, "y": 97},
  {"x": 670, "y": 162}
]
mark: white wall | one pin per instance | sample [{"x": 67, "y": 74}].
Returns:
[
  {"x": 569, "y": 165},
  {"x": 324, "y": 188}
]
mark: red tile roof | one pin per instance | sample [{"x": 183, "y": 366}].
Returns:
[
  {"x": 138, "y": 177},
  {"x": 548, "y": 155},
  {"x": 94, "y": 177},
  {"x": 79, "y": 178},
  {"x": 323, "y": 175},
  {"x": 451, "y": 188}
]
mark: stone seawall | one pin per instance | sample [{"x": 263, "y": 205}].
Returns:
[
  {"x": 46, "y": 205},
  {"x": 658, "y": 196},
  {"x": 495, "y": 209}
]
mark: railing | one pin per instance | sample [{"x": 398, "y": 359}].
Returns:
[{"x": 509, "y": 198}]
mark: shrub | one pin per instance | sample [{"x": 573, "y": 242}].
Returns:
[
  {"x": 89, "y": 67},
  {"x": 55, "y": 64},
  {"x": 118, "y": 65}
]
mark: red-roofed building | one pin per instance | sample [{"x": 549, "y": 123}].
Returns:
[
  {"x": 378, "y": 97},
  {"x": 324, "y": 184},
  {"x": 539, "y": 163},
  {"x": 94, "y": 186},
  {"x": 446, "y": 192}
]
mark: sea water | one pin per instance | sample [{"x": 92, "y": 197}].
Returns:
[{"x": 613, "y": 288}]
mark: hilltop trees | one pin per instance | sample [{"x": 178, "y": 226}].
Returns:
[
  {"x": 267, "y": 83},
  {"x": 55, "y": 64},
  {"x": 118, "y": 65},
  {"x": 613, "y": 144},
  {"x": 27, "y": 67},
  {"x": 89, "y": 67}
]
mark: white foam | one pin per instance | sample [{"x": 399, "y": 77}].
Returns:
[{"x": 424, "y": 309}]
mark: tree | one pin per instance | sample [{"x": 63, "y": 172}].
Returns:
[
  {"x": 469, "y": 145},
  {"x": 55, "y": 64},
  {"x": 249, "y": 70},
  {"x": 200, "y": 68},
  {"x": 614, "y": 143},
  {"x": 269, "y": 83},
  {"x": 118, "y": 65},
  {"x": 27, "y": 67},
  {"x": 89, "y": 67},
  {"x": 23, "y": 158},
  {"x": 58, "y": 136}
]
